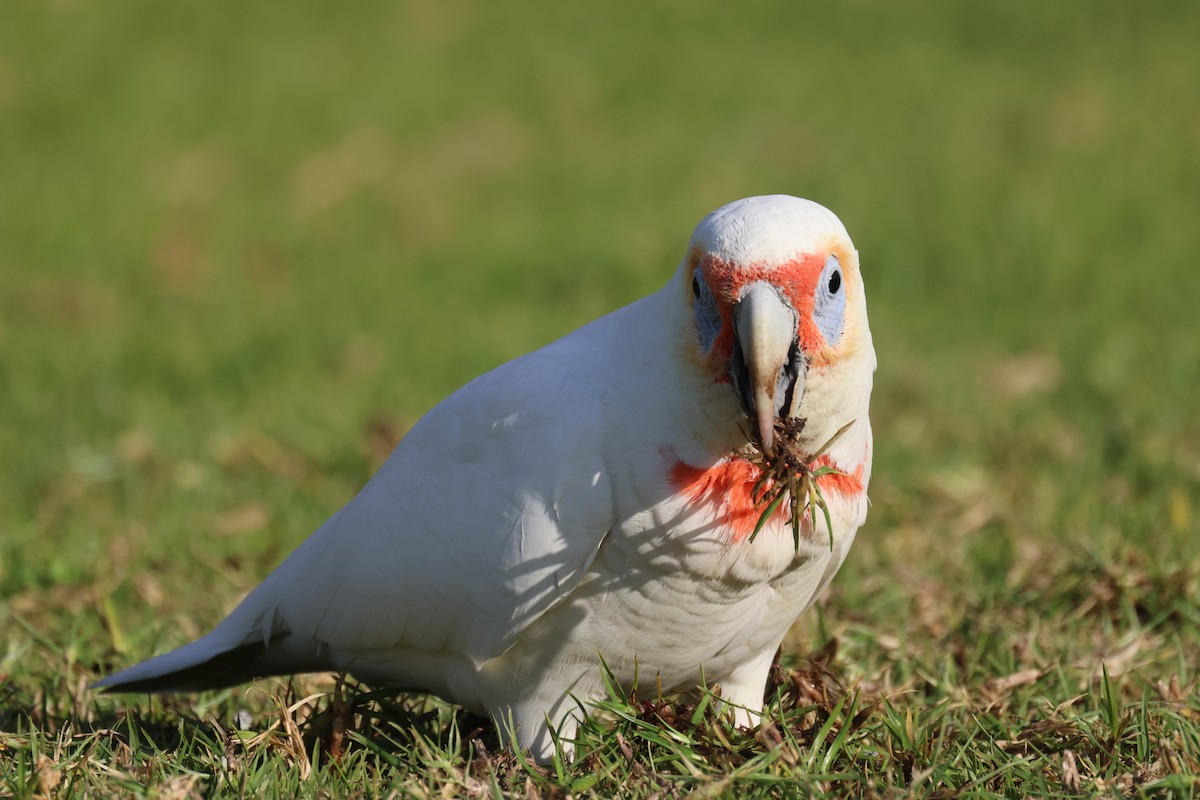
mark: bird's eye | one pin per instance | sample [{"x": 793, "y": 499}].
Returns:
[
  {"x": 708, "y": 318},
  {"x": 829, "y": 302},
  {"x": 835, "y": 282}
]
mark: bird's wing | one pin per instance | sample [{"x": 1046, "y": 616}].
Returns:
[{"x": 486, "y": 515}]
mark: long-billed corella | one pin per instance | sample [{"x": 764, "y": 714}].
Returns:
[{"x": 596, "y": 504}]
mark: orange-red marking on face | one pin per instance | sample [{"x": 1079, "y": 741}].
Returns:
[
  {"x": 797, "y": 279},
  {"x": 728, "y": 489}
]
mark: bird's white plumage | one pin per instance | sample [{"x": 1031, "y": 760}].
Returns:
[
  {"x": 771, "y": 229},
  {"x": 534, "y": 522}
]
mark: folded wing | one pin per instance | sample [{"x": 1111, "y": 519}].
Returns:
[{"x": 484, "y": 517}]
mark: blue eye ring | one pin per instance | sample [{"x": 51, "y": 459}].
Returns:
[
  {"x": 829, "y": 302},
  {"x": 708, "y": 318}
]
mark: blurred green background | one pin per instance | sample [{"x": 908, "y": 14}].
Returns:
[{"x": 243, "y": 245}]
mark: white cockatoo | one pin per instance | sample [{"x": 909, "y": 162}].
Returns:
[{"x": 593, "y": 502}]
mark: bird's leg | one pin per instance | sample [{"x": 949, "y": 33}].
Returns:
[{"x": 742, "y": 692}]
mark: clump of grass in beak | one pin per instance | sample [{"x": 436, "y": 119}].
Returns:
[{"x": 789, "y": 475}]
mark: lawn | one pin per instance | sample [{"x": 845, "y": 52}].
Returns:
[{"x": 244, "y": 246}]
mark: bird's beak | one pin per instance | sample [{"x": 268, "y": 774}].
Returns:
[{"x": 767, "y": 370}]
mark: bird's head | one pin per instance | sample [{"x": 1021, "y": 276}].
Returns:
[{"x": 779, "y": 311}]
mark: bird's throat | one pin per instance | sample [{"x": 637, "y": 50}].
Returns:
[{"x": 726, "y": 490}]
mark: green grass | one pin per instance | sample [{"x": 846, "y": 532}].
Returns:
[{"x": 242, "y": 246}]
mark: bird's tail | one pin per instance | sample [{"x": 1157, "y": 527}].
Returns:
[
  {"x": 243, "y": 647},
  {"x": 211, "y": 662}
]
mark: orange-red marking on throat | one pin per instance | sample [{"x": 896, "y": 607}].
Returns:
[{"x": 728, "y": 489}]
